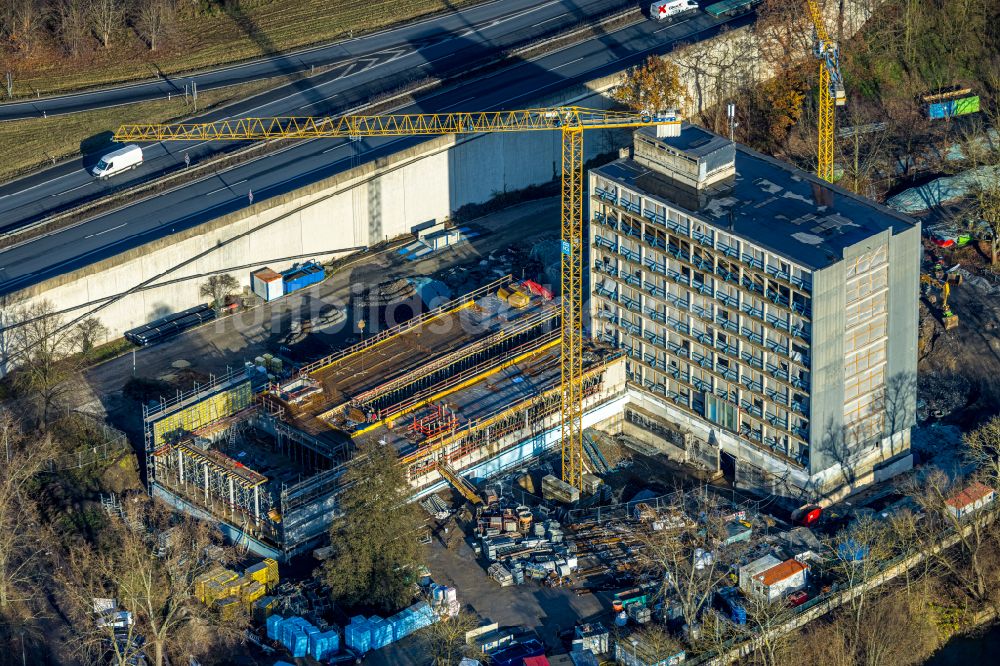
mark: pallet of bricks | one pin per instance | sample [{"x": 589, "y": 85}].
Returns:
[{"x": 229, "y": 593}]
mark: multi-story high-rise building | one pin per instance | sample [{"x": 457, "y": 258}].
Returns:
[{"x": 763, "y": 311}]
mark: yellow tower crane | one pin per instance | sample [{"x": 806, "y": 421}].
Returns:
[
  {"x": 571, "y": 121},
  {"x": 831, "y": 90}
]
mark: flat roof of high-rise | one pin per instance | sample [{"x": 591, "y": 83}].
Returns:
[{"x": 769, "y": 203}]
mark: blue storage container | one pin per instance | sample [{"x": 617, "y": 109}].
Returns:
[
  {"x": 288, "y": 631},
  {"x": 357, "y": 635},
  {"x": 274, "y": 627},
  {"x": 300, "y": 645},
  {"x": 324, "y": 645},
  {"x": 302, "y": 276}
]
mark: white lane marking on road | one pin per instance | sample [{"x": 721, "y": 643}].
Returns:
[
  {"x": 460, "y": 103},
  {"x": 225, "y": 187},
  {"x": 69, "y": 190},
  {"x": 101, "y": 233},
  {"x": 547, "y": 20},
  {"x": 672, "y": 25},
  {"x": 330, "y": 150},
  {"x": 567, "y": 63},
  {"x": 346, "y": 72},
  {"x": 46, "y": 182},
  {"x": 320, "y": 101}
]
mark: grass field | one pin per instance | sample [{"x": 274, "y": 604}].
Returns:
[
  {"x": 29, "y": 144},
  {"x": 247, "y": 29}
]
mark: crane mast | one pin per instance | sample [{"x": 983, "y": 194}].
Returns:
[
  {"x": 831, "y": 90},
  {"x": 571, "y": 121}
]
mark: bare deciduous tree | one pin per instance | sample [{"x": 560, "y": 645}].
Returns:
[
  {"x": 40, "y": 345},
  {"x": 690, "y": 562},
  {"x": 21, "y": 22},
  {"x": 445, "y": 640},
  {"x": 89, "y": 333},
  {"x": 218, "y": 287},
  {"x": 151, "y": 580},
  {"x": 982, "y": 448},
  {"x": 72, "y": 25},
  {"x": 155, "y": 19},
  {"x": 107, "y": 17},
  {"x": 22, "y": 539},
  {"x": 860, "y": 552},
  {"x": 972, "y": 563}
]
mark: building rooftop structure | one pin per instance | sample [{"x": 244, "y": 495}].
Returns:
[
  {"x": 762, "y": 309},
  {"x": 766, "y": 201},
  {"x": 972, "y": 493},
  {"x": 780, "y": 572}
]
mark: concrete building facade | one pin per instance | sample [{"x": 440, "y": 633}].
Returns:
[{"x": 766, "y": 312}]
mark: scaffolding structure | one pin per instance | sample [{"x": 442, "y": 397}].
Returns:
[
  {"x": 487, "y": 433},
  {"x": 455, "y": 381},
  {"x": 399, "y": 395},
  {"x": 216, "y": 482},
  {"x": 188, "y": 411}
]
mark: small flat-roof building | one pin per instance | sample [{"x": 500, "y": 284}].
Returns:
[
  {"x": 748, "y": 571},
  {"x": 971, "y": 498},
  {"x": 781, "y": 579},
  {"x": 763, "y": 310}
]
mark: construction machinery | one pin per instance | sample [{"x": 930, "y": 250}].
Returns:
[
  {"x": 571, "y": 121},
  {"x": 943, "y": 286},
  {"x": 831, "y": 90}
]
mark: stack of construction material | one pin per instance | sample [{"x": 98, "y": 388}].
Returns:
[
  {"x": 228, "y": 608},
  {"x": 358, "y": 634},
  {"x": 411, "y": 619},
  {"x": 295, "y": 637},
  {"x": 264, "y": 572},
  {"x": 556, "y": 489},
  {"x": 445, "y": 600},
  {"x": 214, "y": 584},
  {"x": 500, "y": 574},
  {"x": 324, "y": 645},
  {"x": 591, "y": 483},
  {"x": 300, "y": 637},
  {"x": 382, "y": 632},
  {"x": 263, "y": 608}
]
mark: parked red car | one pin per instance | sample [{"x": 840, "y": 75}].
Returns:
[{"x": 798, "y": 598}]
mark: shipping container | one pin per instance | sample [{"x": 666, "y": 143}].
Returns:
[
  {"x": 302, "y": 276},
  {"x": 949, "y": 103},
  {"x": 267, "y": 284}
]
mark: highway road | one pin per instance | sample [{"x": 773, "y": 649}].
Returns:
[
  {"x": 386, "y": 44},
  {"x": 440, "y": 47},
  {"x": 304, "y": 162}
]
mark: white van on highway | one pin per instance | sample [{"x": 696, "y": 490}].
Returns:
[
  {"x": 123, "y": 159},
  {"x": 668, "y": 9}
]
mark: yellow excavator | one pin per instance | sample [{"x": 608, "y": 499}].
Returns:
[{"x": 943, "y": 286}]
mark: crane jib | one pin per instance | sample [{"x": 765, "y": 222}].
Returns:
[{"x": 571, "y": 121}]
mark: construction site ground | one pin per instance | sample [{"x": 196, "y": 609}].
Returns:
[
  {"x": 546, "y": 611},
  {"x": 958, "y": 370},
  {"x": 503, "y": 246}
]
